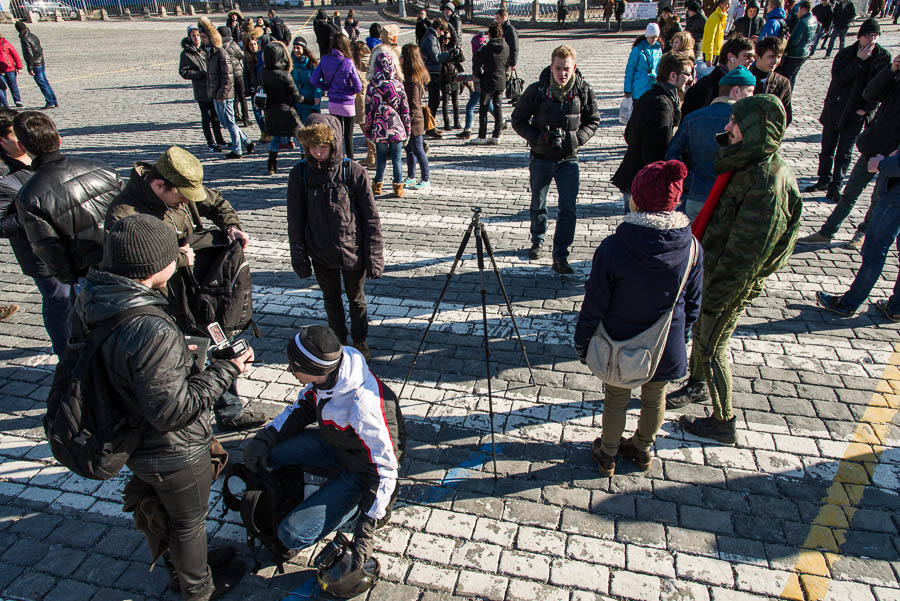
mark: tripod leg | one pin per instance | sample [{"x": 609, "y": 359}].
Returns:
[
  {"x": 437, "y": 304},
  {"x": 490, "y": 251},
  {"x": 487, "y": 352}
]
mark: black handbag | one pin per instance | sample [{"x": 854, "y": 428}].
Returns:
[{"x": 515, "y": 85}]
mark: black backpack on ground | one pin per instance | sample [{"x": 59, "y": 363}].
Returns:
[
  {"x": 218, "y": 286},
  {"x": 87, "y": 430},
  {"x": 267, "y": 498}
]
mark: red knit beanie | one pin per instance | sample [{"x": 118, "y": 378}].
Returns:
[{"x": 657, "y": 187}]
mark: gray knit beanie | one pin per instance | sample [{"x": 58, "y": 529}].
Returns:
[{"x": 139, "y": 246}]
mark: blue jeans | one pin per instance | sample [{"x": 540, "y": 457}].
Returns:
[
  {"x": 566, "y": 174},
  {"x": 10, "y": 77},
  {"x": 40, "y": 78},
  {"x": 857, "y": 181},
  {"x": 277, "y": 141},
  {"x": 820, "y": 33},
  {"x": 474, "y": 97},
  {"x": 333, "y": 505},
  {"x": 381, "y": 156},
  {"x": 842, "y": 33},
  {"x": 56, "y": 304},
  {"x": 225, "y": 111},
  {"x": 881, "y": 234},
  {"x": 415, "y": 151}
]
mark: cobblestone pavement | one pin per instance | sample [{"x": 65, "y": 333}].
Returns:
[{"x": 805, "y": 506}]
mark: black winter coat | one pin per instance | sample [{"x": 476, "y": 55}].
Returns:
[
  {"x": 489, "y": 64},
  {"x": 422, "y": 26},
  {"x": 695, "y": 26},
  {"x": 703, "y": 92},
  {"x": 10, "y": 227},
  {"x": 538, "y": 111},
  {"x": 32, "y": 52},
  {"x": 511, "y": 37},
  {"x": 749, "y": 27},
  {"x": 192, "y": 66},
  {"x": 220, "y": 81},
  {"x": 62, "y": 208},
  {"x": 824, "y": 15},
  {"x": 281, "y": 92},
  {"x": 843, "y": 15},
  {"x": 149, "y": 367},
  {"x": 235, "y": 58},
  {"x": 635, "y": 275},
  {"x": 653, "y": 121},
  {"x": 849, "y": 77},
  {"x": 325, "y": 33},
  {"x": 882, "y": 136},
  {"x": 329, "y": 221}
]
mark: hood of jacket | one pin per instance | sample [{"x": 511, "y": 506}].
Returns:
[
  {"x": 234, "y": 12},
  {"x": 188, "y": 46},
  {"x": 383, "y": 67},
  {"x": 378, "y": 51},
  {"x": 211, "y": 32},
  {"x": 762, "y": 121},
  {"x": 106, "y": 295},
  {"x": 654, "y": 240},
  {"x": 333, "y": 163},
  {"x": 777, "y": 13},
  {"x": 276, "y": 56}
]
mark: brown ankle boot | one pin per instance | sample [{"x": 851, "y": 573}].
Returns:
[
  {"x": 376, "y": 188},
  {"x": 398, "y": 190}
]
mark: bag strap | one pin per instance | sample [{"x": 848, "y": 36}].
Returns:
[
  {"x": 692, "y": 260},
  {"x": 102, "y": 331}
]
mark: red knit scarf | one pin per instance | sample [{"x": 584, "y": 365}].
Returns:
[{"x": 709, "y": 206}]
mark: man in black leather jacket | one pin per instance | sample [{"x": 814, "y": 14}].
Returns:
[
  {"x": 63, "y": 205},
  {"x": 148, "y": 362},
  {"x": 33, "y": 54}
]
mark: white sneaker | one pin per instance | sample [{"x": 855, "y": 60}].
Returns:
[
  {"x": 477, "y": 141},
  {"x": 493, "y": 141}
]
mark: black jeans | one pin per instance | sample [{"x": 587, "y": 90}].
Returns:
[
  {"x": 347, "y": 124},
  {"x": 210, "y": 123},
  {"x": 790, "y": 66},
  {"x": 484, "y": 102},
  {"x": 240, "y": 102},
  {"x": 856, "y": 183},
  {"x": 434, "y": 93},
  {"x": 330, "y": 283},
  {"x": 185, "y": 496},
  {"x": 837, "y": 149},
  {"x": 450, "y": 92}
]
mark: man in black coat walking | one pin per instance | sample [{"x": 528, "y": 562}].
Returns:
[
  {"x": 846, "y": 111},
  {"x": 656, "y": 115},
  {"x": 489, "y": 66},
  {"x": 33, "y": 54},
  {"x": 510, "y": 36}
]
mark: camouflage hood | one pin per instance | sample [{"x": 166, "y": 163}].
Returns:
[{"x": 762, "y": 121}]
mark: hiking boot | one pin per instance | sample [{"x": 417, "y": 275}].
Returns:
[
  {"x": 819, "y": 186},
  {"x": 247, "y": 420},
  {"x": 562, "y": 267},
  {"x": 464, "y": 134},
  {"x": 882, "y": 306},
  {"x": 535, "y": 251},
  {"x": 857, "y": 240},
  {"x": 216, "y": 559},
  {"x": 606, "y": 464},
  {"x": 832, "y": 303},
  {"x": 7, "y": 311},
  {"x": 641, "y": 459},
  {"x": 363, "y": 347},
  {"x": 233, "y": 155},
  {"x": 693, "y": 391},
  {"x": 710, "y": 427},
  {"x": 816, "y": 238},
  {"x": 377, "y": 188}
]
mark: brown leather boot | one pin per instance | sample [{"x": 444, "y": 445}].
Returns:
[
  {"x": 376, "y": 188},
  {"x": 398, "y": 190}
]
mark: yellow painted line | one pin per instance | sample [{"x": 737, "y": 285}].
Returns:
[
  {"x": 311, "y": 15},
  {"x": 811, "y": 575}
]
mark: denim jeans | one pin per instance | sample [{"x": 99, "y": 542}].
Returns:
[
  {"x": 474, "y": 99},
  {"x": 330, "y": 283},
  {"x": 228, "y": 406},
  {"x": 820, "y": 33},
  {"x": 260, "y": 118},
  {"x": 856, "y": 183},
  {"x": 334, "y": 504},
  {"x": 185, "y": 496},
  {"x": 693, "y": 206},
  {"x": 566, "y": 174},
  {"x": 488, "y": 99},
  {"x": 837, "y": 150},
  {"x": 10, "y": 77},
  {"x": 277, "y": 141},
  {"x": 841, "y": 33},
  {"x": 882, "y": 233},
  {"x": 209, "y": 121},
  {"x": 225, "y": 111},
  {"x": 56, "y": 304},
  {"x": 381, "y": 155},
  {"x": 415, "y": 152},
  {"x": 40, "y": 78}
]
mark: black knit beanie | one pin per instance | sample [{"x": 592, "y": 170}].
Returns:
[
  {"x": 869, "y": 26},
  {"x": 315, "y": 351},
  {"x": 20, "y": 26},
  {"x": 139, "y": 246}
]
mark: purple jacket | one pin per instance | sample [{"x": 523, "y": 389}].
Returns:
[{"x": 336, "y": 74}]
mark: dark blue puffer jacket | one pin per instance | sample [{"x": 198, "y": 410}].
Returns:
[{"x": 634, "y": 277}]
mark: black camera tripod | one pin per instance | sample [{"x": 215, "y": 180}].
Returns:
[{"x": 482, "y": 243}]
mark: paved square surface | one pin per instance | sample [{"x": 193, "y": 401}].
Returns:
[{"x": 805, "y": 507}]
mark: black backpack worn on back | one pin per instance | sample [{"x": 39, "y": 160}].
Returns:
[
  {"x": 267, "y": 498},
  {"x": 87, "y": 430}
]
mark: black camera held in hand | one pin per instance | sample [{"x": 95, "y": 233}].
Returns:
[
  {"x": 556, "y": 137},
  {"x": 221, "y": 347}
]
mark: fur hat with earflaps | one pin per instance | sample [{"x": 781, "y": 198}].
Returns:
[{"x": 315, "y": 135}]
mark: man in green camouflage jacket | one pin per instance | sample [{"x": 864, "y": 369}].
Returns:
[{"x": 750, "y": 235}]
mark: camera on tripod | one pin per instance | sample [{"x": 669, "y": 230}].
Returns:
[{"x": 221, "y": 347}]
